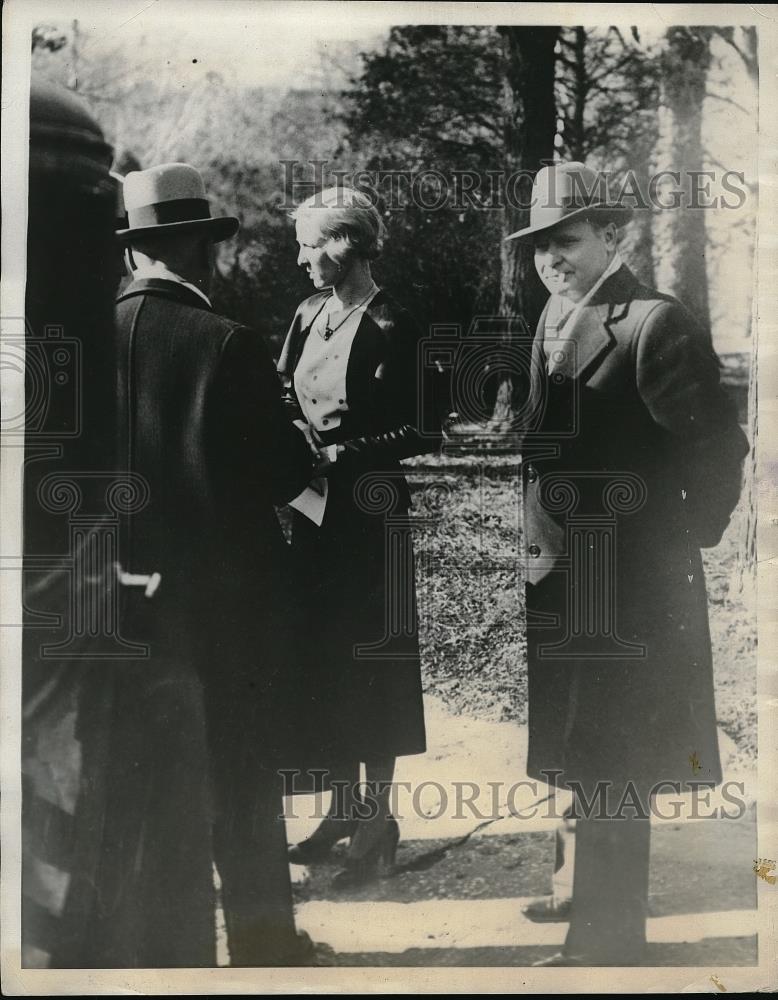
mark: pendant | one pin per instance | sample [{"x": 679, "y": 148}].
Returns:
[{"x": 327, "y": 332}]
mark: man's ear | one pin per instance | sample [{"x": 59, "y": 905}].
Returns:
[{"x": 129, "y": 259}]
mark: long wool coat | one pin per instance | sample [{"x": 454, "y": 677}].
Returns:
[
  {"x": 202, "y": 421},
  {"x": 359, "y": 704},
  {"x": 631, "y": 463},
  {"x": 201, "y": 418}
]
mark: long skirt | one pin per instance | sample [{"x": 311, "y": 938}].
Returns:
[{"x": 358, "y": 635}]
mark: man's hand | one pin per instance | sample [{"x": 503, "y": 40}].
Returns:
[
  {"x": 326, "y": 458},
  {"x": 307, "y": 432}
]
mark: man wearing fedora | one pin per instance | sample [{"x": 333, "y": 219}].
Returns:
[
  {"x": 631, "y": 462},
  {"x": 202, "y": 420}
]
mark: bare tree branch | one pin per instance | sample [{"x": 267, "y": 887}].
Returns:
[{"x": 728, "y": 100}]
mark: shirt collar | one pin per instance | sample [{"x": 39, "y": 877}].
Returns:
[
  {"x": 612, "y": 268},
  {"x": 160, "y": 271}
]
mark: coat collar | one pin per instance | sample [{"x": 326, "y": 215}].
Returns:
[
  {"x": 311, "y": 308},
  {"x": 167, "y": 289},
  {"x": 591, "y": 334},
  {"x": 380, "y": 310}
]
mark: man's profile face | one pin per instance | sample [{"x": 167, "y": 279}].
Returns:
[{"x": 571, "y": 257}]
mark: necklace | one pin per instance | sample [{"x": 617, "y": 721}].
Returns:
[{"x": 329, "y": 330}]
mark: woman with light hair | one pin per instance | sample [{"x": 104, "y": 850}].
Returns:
[{"x": 350, "y": 364}]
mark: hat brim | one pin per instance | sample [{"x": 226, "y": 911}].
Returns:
[
  {"x": 621, "y": 215},
  {"x": 217, "y": 229}
]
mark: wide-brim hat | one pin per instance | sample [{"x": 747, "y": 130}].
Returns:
[
  {"x": 565, "y": 190},
  {"x": 171, "y": 199}
]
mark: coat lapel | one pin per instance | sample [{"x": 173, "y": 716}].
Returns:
[
  {"x": 580, "y": 348},
  {"x": 585, "y": 345},
  {"x": 298, "y": 334},
  {"x": 537, "y": 368}
]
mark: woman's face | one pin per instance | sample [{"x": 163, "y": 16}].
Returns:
[{"x": 321, "y": 268}]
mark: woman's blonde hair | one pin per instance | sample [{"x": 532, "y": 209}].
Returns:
[{"x": 348, "y": 218}]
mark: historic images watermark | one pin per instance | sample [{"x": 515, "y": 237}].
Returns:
[
  {"x": 526, "y": 799},
  {"x": 433, "y": 190}
]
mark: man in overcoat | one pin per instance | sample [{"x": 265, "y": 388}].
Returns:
[
  {"x": 631, "y": 463},
  {"x": 202, "y": 421}
]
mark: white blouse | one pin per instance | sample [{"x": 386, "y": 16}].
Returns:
[{"x": 320, "y": 375}]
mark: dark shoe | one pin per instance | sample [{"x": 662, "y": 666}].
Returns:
[
  {"x": 305, "y": 954},
  {"x": 320, "y": 843},
  {"x": 254, "y": 949},
  {"x": 373, "y": 848},
  {"x": 545, "y": 911},
  {"x": 312, "y": 955}
]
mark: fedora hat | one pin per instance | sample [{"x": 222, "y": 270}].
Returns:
[
  {"x": 170, "y": 198},
  {"x": 565, "y": 190}
]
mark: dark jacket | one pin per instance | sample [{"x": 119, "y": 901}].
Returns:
[
  {"x": 631, "y": 462},
  {"x": 392, "y": 401},
  {"x": 201, "y": 419}
]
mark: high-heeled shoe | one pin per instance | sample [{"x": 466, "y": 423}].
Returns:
[
  {"x": 373, "y": 848},
  {"x": 321, "y": 842}
]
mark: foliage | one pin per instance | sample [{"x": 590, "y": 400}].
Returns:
[
  {"x": 257, "y": 280},
  {"x": 431, "y": 101},
  {"x": 433, "y": 98},
  {"x": 607, "y": 94}
]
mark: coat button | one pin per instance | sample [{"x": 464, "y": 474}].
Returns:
[
  {"x": 314, "y": 402},
  {"x": 325, "y": 421},
  {"x": 341, "y": 401},
  {"x": 534, "y": 551},
  {"x": 532, "y": 473}
]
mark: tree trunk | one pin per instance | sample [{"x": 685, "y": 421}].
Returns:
[
  {"x": 581, "y": 91},
  {"x": 637, "y": 244},
  {"x": 679, "y": 232},
  {"x": 530, "y": 125}
]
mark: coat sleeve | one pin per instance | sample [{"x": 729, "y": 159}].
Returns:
[
  {"x": 409, "y": 397},
  {"x": 678, "y": 378},
  {"x": 260, "y": 451}
]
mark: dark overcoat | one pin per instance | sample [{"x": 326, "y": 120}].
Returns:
[
  {"x": 201, "y": 420},
  {"x": 356, "y": 570},
  {"x": 631, "y": 463}
]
